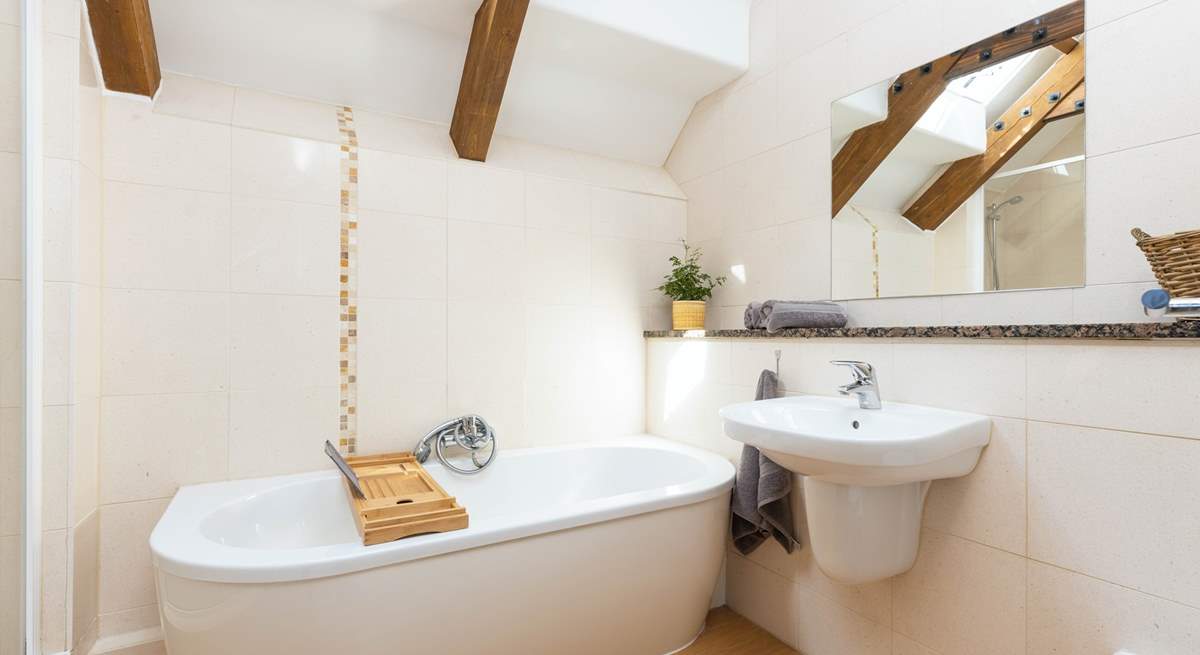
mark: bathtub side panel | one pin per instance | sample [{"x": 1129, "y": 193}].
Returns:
[{"x": 639, "y": 586}]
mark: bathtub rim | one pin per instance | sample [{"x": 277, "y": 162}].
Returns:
[{"x": 178, "y": 547}]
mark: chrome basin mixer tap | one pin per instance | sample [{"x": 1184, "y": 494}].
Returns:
[{"x": 865, "y": 387}]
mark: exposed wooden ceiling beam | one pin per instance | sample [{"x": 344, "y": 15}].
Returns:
[
  {"x": 485, "y": 75},
  {"x": 1047, "y": 29},
  {"x": 124, "y": 37},
  {"x": 1073, "y": 105},
  {"x": 909, "y": 98},
  {"x": 1017, "y": 126}
]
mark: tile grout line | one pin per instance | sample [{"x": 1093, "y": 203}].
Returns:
[{"x": 348, "y": 285}]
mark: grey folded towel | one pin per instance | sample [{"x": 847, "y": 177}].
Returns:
[
  {"x": 753, "y": 316},
  {"x": 793, "y": 313},
  {"x": 805, "y": 315},
  {"x": 762, "y": 490}
]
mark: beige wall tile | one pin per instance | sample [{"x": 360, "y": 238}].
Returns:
[
  {"x": 160, "y": 238},
  {"x": 134, "y": 619},
  {"x": 391, "y": 418},
  {"x": 61, "y": 220},
  {"x": 283, "y": 342},
  {"x": 1149, "y": 182},
  {"x": 486, "y": 362},
  {"x": 56, "y": 448},
  {"x": 401, "y": 341},
  {"x": 486, "y": 194},
  {"x": 873, "y": 601},
  {"x": 276, "y": 431},
  {"x": 281, "y": 167},
  {"x": 964, "y": 375},
  {"x": 1043, "y": 306},
  {"x": 401, "y": 256},
  {"x": 486, "y": 262},
  {"x": 683, "y": 398},
  {"x": 55, "y": 592},
  {"x": 283, "y": 247},
  {"x": 192, "y": 97},
  {"x": 615, "y": 272},
  {"x": 698, "y": 150},
  {"x": 84, "y": 455},
  {"x": 165, "y": 342},
  {"x": 59, "y": 305},
  {"x": 12, "y": 471},
  {"x": 85, "y": 575},
  {"x": 1073, "y": 614},
  {"x": 1116, "y": 55},
  {"x": 10, "y": 85},
  {"x": 403, "y": 184},
  {"x": 621, "y": 214},
  {"x": 10, "y": 591},
  {"x": 962, "y": 597},
  {"x": 751, "y": 117},
  {"x": 147, "y": 148},
  {"x": 151, "y": 445},
  {"x": 988, "y": 505},
  {"x": 1118, "y": 386},
  {"x": 554, "y": 204},
  {"x": 126, "y": 572},
  {"x": 1107, "y": 504},
  {"x": 890, "y": 312},
  {"x": 557, "y": 268},
  {"x": 271, "y": 112},
  {"x": 902, "y": 645},
  {"x": 11, "y": 350},
  {"x": 85, "y": 342},
  {"x": 769, "y": 600},
  {"x": 803, "y": 273},
  {"x": 809, "y": 370},
  {"x": 60, "y": 85},
  {"x": 10, "y": 214},
  {"x": 406, "y": 136},
  {"x": 153, "y": 648},
  {"x": 618, "y": 372},
  {"x": 826, "y": 628}
]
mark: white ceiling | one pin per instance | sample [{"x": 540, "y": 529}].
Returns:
[{"x": 616, "y": 78}]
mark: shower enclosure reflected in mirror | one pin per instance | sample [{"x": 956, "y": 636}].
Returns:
[{"x": 966, "y": 174}]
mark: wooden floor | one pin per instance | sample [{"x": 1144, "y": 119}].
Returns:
[{"x": 727, "y": 633}]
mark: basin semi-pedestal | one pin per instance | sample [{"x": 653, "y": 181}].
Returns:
[{"x": 866, "y": 472}]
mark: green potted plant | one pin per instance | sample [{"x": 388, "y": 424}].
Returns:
[{"x": 688, "y": 287}]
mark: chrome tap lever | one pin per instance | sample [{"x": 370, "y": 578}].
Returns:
[{"x": 865, "y": 387}]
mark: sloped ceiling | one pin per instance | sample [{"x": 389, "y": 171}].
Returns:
[{"x": 616, "y": 78}]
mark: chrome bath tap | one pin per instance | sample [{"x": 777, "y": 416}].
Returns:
[
  {"x": 470, "y": 432},
  {"x": 865, "y": 387}
]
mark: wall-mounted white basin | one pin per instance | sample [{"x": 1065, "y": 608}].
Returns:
[{"x": 866, "y": 472}]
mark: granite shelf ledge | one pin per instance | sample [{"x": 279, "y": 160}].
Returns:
[{"x": 1174, "y": 330}]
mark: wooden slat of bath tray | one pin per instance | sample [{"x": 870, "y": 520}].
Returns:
[{"x": 402, "y": 499}]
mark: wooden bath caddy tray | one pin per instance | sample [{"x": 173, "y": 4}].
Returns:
[{"x": 399, "y": 498}]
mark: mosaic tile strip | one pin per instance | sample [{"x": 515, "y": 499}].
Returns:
[{"x": 348, "y": 286}]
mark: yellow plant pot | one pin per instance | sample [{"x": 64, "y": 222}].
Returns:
[{"x": 687, "y": 315}]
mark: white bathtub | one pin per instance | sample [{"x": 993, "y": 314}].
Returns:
[{"x": 610, "y": 548}]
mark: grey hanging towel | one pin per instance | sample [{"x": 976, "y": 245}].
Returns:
[{"x": 762, "y": 491}]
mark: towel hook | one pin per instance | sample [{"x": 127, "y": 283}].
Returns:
[{"x": 778, "y": 354}]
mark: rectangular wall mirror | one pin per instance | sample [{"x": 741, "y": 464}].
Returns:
[{"x": 966, "y": 174}]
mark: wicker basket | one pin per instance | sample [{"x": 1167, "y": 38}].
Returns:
[
  {"x": 1175, "y": 260},
  {"x": 687, "y": 315}
]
